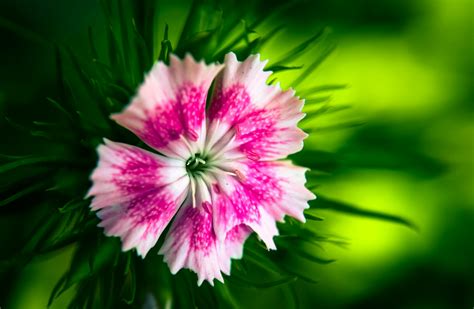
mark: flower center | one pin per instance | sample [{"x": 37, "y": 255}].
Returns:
[{"x": 197, "y": 164}]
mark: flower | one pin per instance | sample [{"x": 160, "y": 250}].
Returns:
[{"x": 218, "y": 174}]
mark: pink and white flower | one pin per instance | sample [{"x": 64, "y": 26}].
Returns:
[{"x": 217, "y": 174}]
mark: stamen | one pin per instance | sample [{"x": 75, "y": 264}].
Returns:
[
  {"x": 210, "y": 138},
  {"x": 239, "y": 175},
  {"x": 183, "y": 139},
  {"x": 208, "y": 179},
  {"x": 193, "y": 192},
  {"x": 225, "y": 147},
  {"x": 252, "y": 155},
  {"x": 221, "y": 171},
  {"x": 193, "y": 135},
  {"x": 197, "y": 164}
]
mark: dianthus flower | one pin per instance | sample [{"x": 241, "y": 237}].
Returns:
[{"x": 217, "y": 173}]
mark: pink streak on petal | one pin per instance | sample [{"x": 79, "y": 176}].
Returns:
[
  {"x": 170, "y": 103},
  {"x": 238, "y": 87},
  {"x": 137, "y": 193},
  {"x": 230, "y": 104},
  {"x": 279, "y": 187},
  {"x": 124, "y": 171},
  {"x": 264, "y": 117},
  {"x": 140, "y": 222},
  {"x": 191, "y": 243},
  {"x": 272, "y": 131},
  {"x": 237, "y": 205},
  {"x": 233, "y": 246},
  {"x": 265, "y": 193},
  {"x": 169, "y": 121}
]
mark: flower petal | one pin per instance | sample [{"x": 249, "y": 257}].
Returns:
[
  {"x": 234, "y": 204},
  {"x": 170, "y": 105},
  {"x": 137, "y": 193},
  {"x": 264, "y": 118},
  {"x": 192, "y": 243},
  {"x": 279, "y": 187},
  {"x": 233, "y": 246}
]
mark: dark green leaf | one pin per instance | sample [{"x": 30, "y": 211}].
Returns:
[
  {"x": 322, "y": 88},
  {"x": 25, "y": 161},
  {"x": 81, "y": 264},
  {"x": 300, "y": 49},
  {"x": 130, "y": 284},
  {"x": 329, "y": 204},
  {"x": 312, "y": 217},
  {"x": 282, "y": 68},
  {"x": 336, "y": 127},
  {"x": 317, "y": 100},
  {"x": 24, "y": 32},
  {"x": 314, "y": 65},
  {"x": 316, "y": 159},
  {"x": 243, "y": 282},
  {"x": 56, "y": 290},
  {"x": 270, "y": 35},
  {"x": 225, "y": 297},
  {"x": 166, "y": 47},
  {"x": 23, "y": 192}
]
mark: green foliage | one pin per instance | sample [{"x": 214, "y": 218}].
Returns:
[{"x": 92, "y": 86}]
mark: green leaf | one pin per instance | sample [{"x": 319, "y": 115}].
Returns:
[
  {"x": 81, "y": 269},
  {"x": 196, "y": 10},
  {"x": 243, "y": 282},
  {"x": 272, "y": 81},
  {"x": 73, "y": 205},
  {"x": 28, "y": 160},
  {"x": 92, "y": 47},
  {"x": 23, "y": 192},
  {"x": 282, "y": 68},
  {"x": 23, "y": 32},
  {"x": 124, "y": 9},
  {"x": 244, "y": 51},
  {"x": 232, "y": 46},
  {"x": 114, "y": 52},
  {"x": 316, "y": 100},
  {"x": 296, "y": 246},
  {"x": 68, "y": 238},
  {"x": 321, "y": 88},
  {"x": 60, "y": 81},
  {"x": 316, "y": 159},
  {"x": 336, "y": 127},
  {"x": 253, "y": 256},
  {"x": 312, "y": 257},
  {"x": 166, "y": 47},
  {"x": 314, "y": 65},
  {"x": 312, "y": 217},
  {"x": 325, "y": 110},
  {"x": 270, "y": 35},
  {"x": 56, "y": 290},
  {"x": 130, "y": 285},
  {"x": 305, "y": 277},
  {"x": 225, "y": 297},
  {"x": 144, "y": 58},
  {"x": 329, "y": 204},
  {"x": 299, "y": 50},
  {"x": 41, "y": 233},
  {"x": 198, "y": 39},
  {"x": 276, "y": 11}
]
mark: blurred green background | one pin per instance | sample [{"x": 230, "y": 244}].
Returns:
[{"x": 410, "y": 70}]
